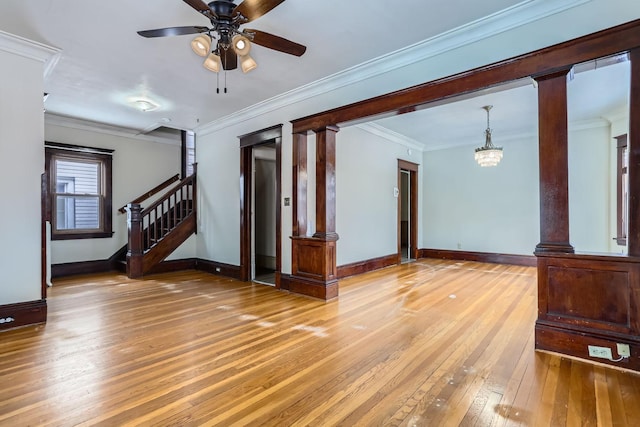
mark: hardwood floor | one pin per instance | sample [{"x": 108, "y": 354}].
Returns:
[{"x": 422, "y": 344}]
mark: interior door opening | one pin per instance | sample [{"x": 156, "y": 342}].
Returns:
[
  {"x": 407, "y": 211},
  {"x": 405, "y": 224},
  {"x": 263, "y": 215}
]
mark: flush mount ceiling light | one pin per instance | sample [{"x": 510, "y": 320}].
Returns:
[
  {"x": 489, "y": 154},
  {"x": 232, "y": 43},
  {"x": 145, "y": 105}
]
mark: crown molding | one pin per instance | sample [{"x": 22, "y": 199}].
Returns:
[
  {"x": 30, "y": 49},
  {"x": 504, "y": 20},
  {"x": 89, "y": 126},
  {"x": 392, "y": 136}
]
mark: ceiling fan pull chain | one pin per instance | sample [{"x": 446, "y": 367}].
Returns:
[
  {"x": 217, "y": 82},
  {"x": 225, "y": 81}
]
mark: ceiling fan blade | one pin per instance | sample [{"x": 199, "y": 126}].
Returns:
[
  {"x": 277, "y": 43},
  {"x": 254, "y": 9},
  {"x": 172, "y": 31},
  {"x": 228, "y": 58},
  {"x": 201, "y": 7}
]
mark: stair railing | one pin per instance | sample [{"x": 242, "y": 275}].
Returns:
[
  {"x": 148, "y": 226},
  {"x": 152, "y": 192}
]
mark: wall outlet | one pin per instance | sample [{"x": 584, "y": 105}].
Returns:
[
  {"x": 623, "y": 350},
  {"x": 601, "y": 352},
  {"x": 217, "y": 269}
]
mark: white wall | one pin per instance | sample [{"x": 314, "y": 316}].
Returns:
[
  {"x": 21, "y": 165},
  {"x": 589, "y": 189},
  {"x": 366, "y": 208},
  {"x": 138, "y": 166},
  {"x": 470, "y": 208}
]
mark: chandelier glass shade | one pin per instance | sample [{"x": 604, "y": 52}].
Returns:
[{"x": 488, "y": 155}]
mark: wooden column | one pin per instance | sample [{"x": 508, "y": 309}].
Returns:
[
  {"x": 135, "y": 251},
  {"x": 313, "y": 264},
  {"x": 554, "y": 164},
  {"x": 326, "y": 183},
  {"x": 299, "y": 181},
  {"x": 633, "y": 231}
]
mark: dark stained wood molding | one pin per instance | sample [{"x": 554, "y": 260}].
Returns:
[
  {"x": 326, "y": 183},
  {"x": 495, "y": 258},
  {"x": 325, "y": 291},
  {"x": 633, "y": 231},
  {"x": 554, "y": 162},
  {"x": 261, "y": 136},
  {"x": 586, "y": 299},
  {"x": 299, "y": 185},
  {"x": 44, "y": 217},
  {"x": 543, "y": 61},
  {"x": 413, "y": 208},
  {"x": 218, "y": 268},
  {"x": 171, "y": 266},
  {"x": 23, "y": 314},
  {"x": 248, "y": 141},
  {"x": 81, "y": 267},
  {"x": 360, "y": 267}
]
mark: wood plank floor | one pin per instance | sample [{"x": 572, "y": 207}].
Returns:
[{"x": 423, "y": 344}]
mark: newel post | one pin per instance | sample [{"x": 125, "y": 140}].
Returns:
[{"x": 135, "y": 249}]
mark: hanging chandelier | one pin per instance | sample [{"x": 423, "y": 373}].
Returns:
[{"x": 489, "y": 154}]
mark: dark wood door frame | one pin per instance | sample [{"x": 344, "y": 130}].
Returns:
[
  {"x": 412, "y": 168},
  {"x": 248, "y": 142}
]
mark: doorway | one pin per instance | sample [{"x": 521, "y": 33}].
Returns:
[
  {"x": 407, "y": 211},
  {"x": 260, "y": 195},
  {"x": 263, "y": 215}
]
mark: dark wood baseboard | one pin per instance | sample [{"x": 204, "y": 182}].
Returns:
[
  {"x": 574, "y": 342},
  {"x": 309, "y": 287},
  {"x": 23, "y": 314},
  {"x": 365, "y": 266},
  {"x": 83, "y": 267},
  {"x": 524, "y": 260},
  {"x": 175, "y": 265},
  {"x": 219, "y": 268}
]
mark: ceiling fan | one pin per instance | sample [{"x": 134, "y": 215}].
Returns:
[{"x": 231, "y": 42}]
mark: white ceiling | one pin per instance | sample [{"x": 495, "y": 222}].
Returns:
[{"x": 104, "y": 64}]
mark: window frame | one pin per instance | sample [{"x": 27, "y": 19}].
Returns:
[{"x": 57, "y": 151}]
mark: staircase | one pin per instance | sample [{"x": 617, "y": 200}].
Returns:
[{"x": 156, "y": 231}]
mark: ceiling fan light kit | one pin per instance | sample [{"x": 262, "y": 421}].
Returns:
[
  {"x": 213, "y": 62},
  {"x": 201, "y": 45},
  {"x": 232, "y": 43}
]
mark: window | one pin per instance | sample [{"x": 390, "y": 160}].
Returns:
[
  {"x": 622, "y": 189},
  {"x": 188, "y": 153},
  {"x": 79, "y": 191}
]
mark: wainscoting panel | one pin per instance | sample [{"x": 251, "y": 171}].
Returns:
[{"x": 589, "y": 300}]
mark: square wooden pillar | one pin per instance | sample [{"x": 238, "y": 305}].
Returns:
[{"x": 313, "y": 264}]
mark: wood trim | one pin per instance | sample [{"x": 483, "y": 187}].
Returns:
[
  {"x": 247, "y": 143},
  {"x": 44, "y": 217},
  {"x": 218, "y": 268},
  {"x": 621, "y": 169},
  {"x": 299, "y": 185},
  {"x": 495, "y": 258},
  {"x": 412, "y": 168},
  {"x": 174, "y": 265},
  {"x": 309, "y": 287},
  {"x": 81, "y": 267},
  {"x": 23, "y": 314},
  {"x": 554, "y": 162},
  {"x": 633, "y": 230},
  {"x": 543, "y": 61},
  {"x": 260, "y": 136},
  {"x": 326, "y": 183},
  {"x": 360, "y": 267}
]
